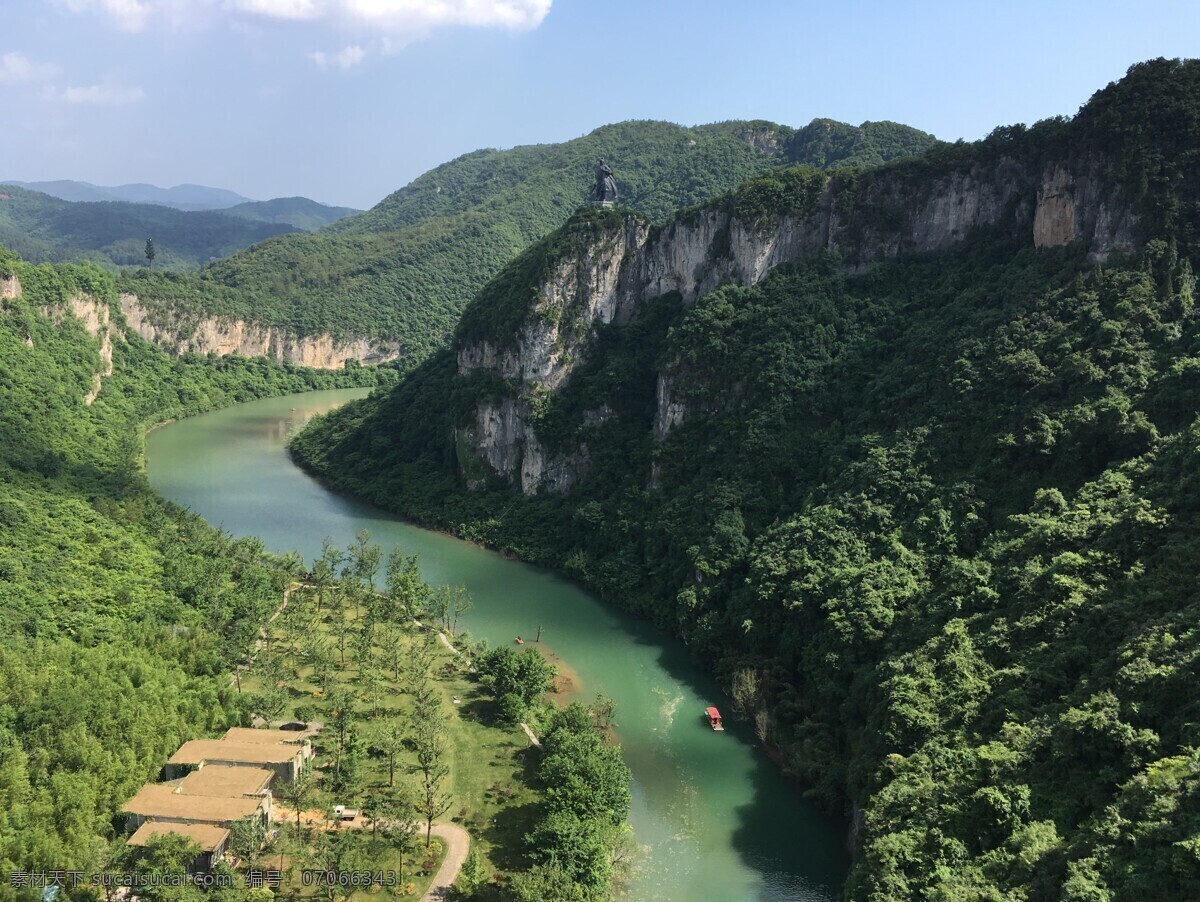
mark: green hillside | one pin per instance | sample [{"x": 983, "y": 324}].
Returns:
[
  {"x": 299, "y": 212},
  {"x": 408, "y": 267},
  {"x": 45, "y": 229},
  {"x": 933, "y": 524},
  {"x": 120, "y": 614}
]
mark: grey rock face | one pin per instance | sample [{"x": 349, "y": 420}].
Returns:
[{"x": 711, "y": 247}]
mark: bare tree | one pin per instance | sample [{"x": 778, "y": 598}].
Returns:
[
  {"x": 749, "y": 695},
  {"x": 460, "y": 603}
]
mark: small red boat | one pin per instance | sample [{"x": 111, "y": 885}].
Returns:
[{"x": 714, "y": 718}]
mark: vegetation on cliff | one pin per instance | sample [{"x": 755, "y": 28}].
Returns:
[
  {"x": 406, "y": 269},
  {"x": 931, "y": 523}
]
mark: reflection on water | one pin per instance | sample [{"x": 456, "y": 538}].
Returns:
[{"x": 716, "y": 820}]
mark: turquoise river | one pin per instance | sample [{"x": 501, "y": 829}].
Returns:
[{"x": 715, "y": 818}]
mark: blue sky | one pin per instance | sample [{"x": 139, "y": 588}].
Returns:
[{"x": 347, "y": 100}]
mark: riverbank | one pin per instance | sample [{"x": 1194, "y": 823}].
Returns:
[{"x": 748, "y": 834}]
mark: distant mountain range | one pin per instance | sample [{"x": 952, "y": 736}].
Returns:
[
  {"x": 181, "y": 197},
  {"x": 46, "y": 228}
]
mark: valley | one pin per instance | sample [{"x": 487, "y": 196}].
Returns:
[
  {"x": 686, "y": 780},
  {"x": 884, "y": 446}
]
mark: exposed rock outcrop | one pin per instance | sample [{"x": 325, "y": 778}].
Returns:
[
  {"x": 1054, "y": 221},
  {"x": 1071, "y": 208},
  {"x": 96, "y": 319},
  {"x": 98, "y": 322},
  {"x": 669, "y": 412},
  {"x": 236, "y": 336},
  {"x": 879, "y": 218}
]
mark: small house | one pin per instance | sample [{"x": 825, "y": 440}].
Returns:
[
  {"x": 212, "y": 841},
  {"x": 163, "y": 803}
]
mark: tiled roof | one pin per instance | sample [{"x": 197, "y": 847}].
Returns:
[
  {"x": 223, "y": 780},
  {"x": 268, "y": 737},
  {"x": 157, "y": 800},
  {"x": 209, "y": 837},
  {"x": 197, "y": 751}
]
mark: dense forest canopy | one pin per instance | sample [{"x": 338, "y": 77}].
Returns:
[
  {"x": 44, "y": 229},
  {"x": 405, "y": 269},
  {"x": 120, "y": 613},
  {"x": 931, "y": 521}
]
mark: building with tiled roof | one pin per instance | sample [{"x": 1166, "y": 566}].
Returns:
[
  {"x": 285, "y": 759},
  {"x": 211, "y": 839},
  {"x": 221, "y": 780},
  {"x": 161, "y": 802}
]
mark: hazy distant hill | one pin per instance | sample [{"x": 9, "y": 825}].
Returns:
[
  {"x": 181, "y": 197},
  {"x": 406, "y": 268},
  {"x": 306, "y": 215},
  {"x": 45, "y": 229}
]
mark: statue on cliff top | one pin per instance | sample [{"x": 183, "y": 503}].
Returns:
[{"x": 606, "y": 185}]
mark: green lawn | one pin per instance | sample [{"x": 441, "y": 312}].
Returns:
[
  {"x": 370, "y": 857},
  {"x": 489, "y": 766}
]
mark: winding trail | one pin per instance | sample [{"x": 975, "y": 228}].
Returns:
[
  {"x": 537, "y": 744},
  {"x": 458, "y": 842}
]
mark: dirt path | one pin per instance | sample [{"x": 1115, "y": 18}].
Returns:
[
  {"x": 458, "y": 842},
  {"x": 446, "y": 642}
]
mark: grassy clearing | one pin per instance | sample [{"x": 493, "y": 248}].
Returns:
[{"x": 320, "y": 654}]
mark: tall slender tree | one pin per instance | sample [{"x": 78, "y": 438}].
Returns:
[{"x": 297, "y": 794}]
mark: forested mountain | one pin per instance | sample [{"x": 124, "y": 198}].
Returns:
[
  {"x": 406, "y": 269},
  {"x": 907, "y": 455},
  {"x": 306, "y": 215},
  {"x": 120, "y": 614},
  {"x": 180, "y": 197},
  {"x": 45, "y": 229}
]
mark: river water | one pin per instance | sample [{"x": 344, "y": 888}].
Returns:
[{"x": 714, "y": 817}]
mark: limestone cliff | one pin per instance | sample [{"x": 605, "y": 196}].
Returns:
[
  {"x": 98, "y": 322},
  {"x": 1071, "y": 208},
  {"x": 96, "y": 319},
  {"x": 223, "y": 336},
  {"x": 619, "y": 262}
]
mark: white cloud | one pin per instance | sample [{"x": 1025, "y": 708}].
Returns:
[
  {"x": 130, "y": 15},
  {"x": 419, "y": 15},
  {"x": 283, "y": 9},
  {"x": 113, "y": 95},
  {"x": 17, "y": 68},
  {"x": 405, "y": 17},
  {"x": 343, "y": 59}
]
